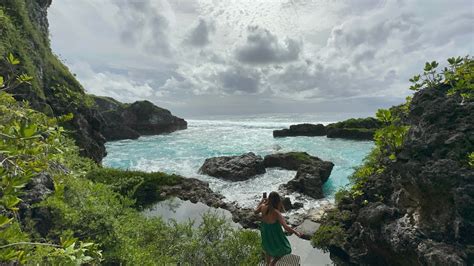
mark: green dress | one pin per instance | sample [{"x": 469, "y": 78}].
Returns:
[{"x": 274, "y": 241}]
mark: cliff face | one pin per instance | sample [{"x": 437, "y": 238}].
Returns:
[
  {"x": 54, "y": 90},
  {"x": 420, "y": 209},
  {"x": 129, "y": 121}
]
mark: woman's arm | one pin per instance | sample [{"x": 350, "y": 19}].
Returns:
[{"x": 287, "y": 228}]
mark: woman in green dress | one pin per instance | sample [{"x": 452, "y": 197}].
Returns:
[{"x": 274, "y": 241}]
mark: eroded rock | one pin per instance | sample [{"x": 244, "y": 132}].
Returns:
[{"x": 234, "y": 168}]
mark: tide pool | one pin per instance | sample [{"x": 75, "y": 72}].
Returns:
[{"x": 183, "y": 152}]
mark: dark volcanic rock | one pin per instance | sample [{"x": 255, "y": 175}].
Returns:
[
  {"x": 301, "y": 130},
  {"x": 309, "y": 179},
  {"x": 354, "y": 128},
  {"x": 351, "y": 133},
  {"x": 196, "y": 190},
  {"x": 293, "y": 161},
  {"x": 234, "y": 168},
  {"x": 129, "y": 121},
  {"x": 311, "y": 173},
  {"x": 287, "y": 203},
  {"x": 419, "y": 210}
]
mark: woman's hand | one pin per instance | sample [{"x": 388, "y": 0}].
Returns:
[{"x": 298, "y": 234}]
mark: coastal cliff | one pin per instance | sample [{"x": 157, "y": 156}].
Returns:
[
  {"x": 413, "y": 205},
  {"x": 54, "y": 91},
  {"x": 129, "y": 121}
]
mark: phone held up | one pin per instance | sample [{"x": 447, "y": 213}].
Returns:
[{"x": 264, "y": 195}]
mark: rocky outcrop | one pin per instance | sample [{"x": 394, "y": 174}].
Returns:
[
  {"x": 301, "y": 130},
  {"x": 289, "y": 160},
  {"x": 309, "y": 179},
  {"x": 311, "y": 174},
  {"x": 196, "y": 190},
  {"x": 307, "y": 228},
  {"x": 129, "y": 121},
  {"x": 351, "y": 133},
  {"x": 418, "y": 210},
  {"x": 354, "y": 128},
  {"x": 234, "y": 168}
]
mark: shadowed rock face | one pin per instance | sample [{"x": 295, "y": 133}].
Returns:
[
  {"x": 234, "y": 168},
  {"x": 425, "y": 216},
  {"x": 351, "y": 133},
  {"x": 129, "y": 121},
  {"x": 301, "y": 130},
  {"x": 311, "y": 174},
  {"x": 355, "y": 129}
]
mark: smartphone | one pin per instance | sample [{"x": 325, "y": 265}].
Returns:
[{"x": 264, "y": 195}]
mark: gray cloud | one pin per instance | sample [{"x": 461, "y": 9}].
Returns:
[
  {"x": 143, "y": 26},
  {"x": 262, "y": 47},
  {"x": 304, "y": 55},
  {"x": 240, "y": 80},
  {"x": 199, "y": 35}
]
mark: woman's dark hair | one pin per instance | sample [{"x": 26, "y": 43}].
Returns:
[{"x": 274, "y": 202}]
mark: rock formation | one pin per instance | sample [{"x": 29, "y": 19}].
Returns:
[
  {"x": 129, "y": 121},
  {"x": 301, "y": 130},
  {"x": 355, "y": 129},
  {"x": 419, "y": 209},
  {"x": 234, "y": 168},
  {"x": 311, "y": 174}
]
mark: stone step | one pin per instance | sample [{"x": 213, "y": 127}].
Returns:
[{"x": 287, "y": 260}]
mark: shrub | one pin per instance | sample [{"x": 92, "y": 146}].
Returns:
[{"x": 140, "y": 186}]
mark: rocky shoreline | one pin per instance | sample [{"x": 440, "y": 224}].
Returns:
[
  {"x": 311, "y": 174},
  {"x": 196, "y": 190},
  {"x": 354, "y": 129}
]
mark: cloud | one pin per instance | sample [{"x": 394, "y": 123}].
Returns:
[
  {"x": 105, "y": 83},
  {"x": 144, "y": 25},
  {"x": 257, "y": 56},
  {"x": 200, "y": 34},
  {"x": 263, "y": 47},
  {"x": 237, "y": 79}
]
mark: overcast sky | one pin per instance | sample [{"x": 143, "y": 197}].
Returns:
[{"x": 248, "y": 57}]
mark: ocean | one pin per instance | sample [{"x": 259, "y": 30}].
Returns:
[{"x": 183, "y": 152}]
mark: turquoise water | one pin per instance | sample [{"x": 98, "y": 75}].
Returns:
[{"x": 183, "y": 152}]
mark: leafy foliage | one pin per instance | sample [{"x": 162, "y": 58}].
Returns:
[
  {"x": 331, "y": 232},
  {"x": 459, "y": 75},
  {"x": 31, "y": 143},
  {"x": 91, "y": 221},
  {"x": 95, "y": 213},
  {"x": 140, "y": 186}
]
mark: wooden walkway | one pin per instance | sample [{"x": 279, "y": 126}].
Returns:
[{"x": 288, "y": 260}]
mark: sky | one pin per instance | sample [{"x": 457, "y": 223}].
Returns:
[{"x": 241, "y": 57}]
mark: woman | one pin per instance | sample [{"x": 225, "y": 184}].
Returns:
[{"x": 274, "y": 241}]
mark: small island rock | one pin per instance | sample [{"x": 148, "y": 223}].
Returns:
[{"x": 234, "y": 168}]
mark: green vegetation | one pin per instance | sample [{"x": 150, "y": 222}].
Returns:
[
  {"x": 331, "y": 232},
  {"x": 458, "y": 75},
  {"x": 456, "y": 79},
  {"x": 51, "y": 88},
  {"x": 300, "y": 156},
  {"x": 91, "y": 215},
  {"x": 358, "y": 123},
  {"x": 140, "y": 186}
]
